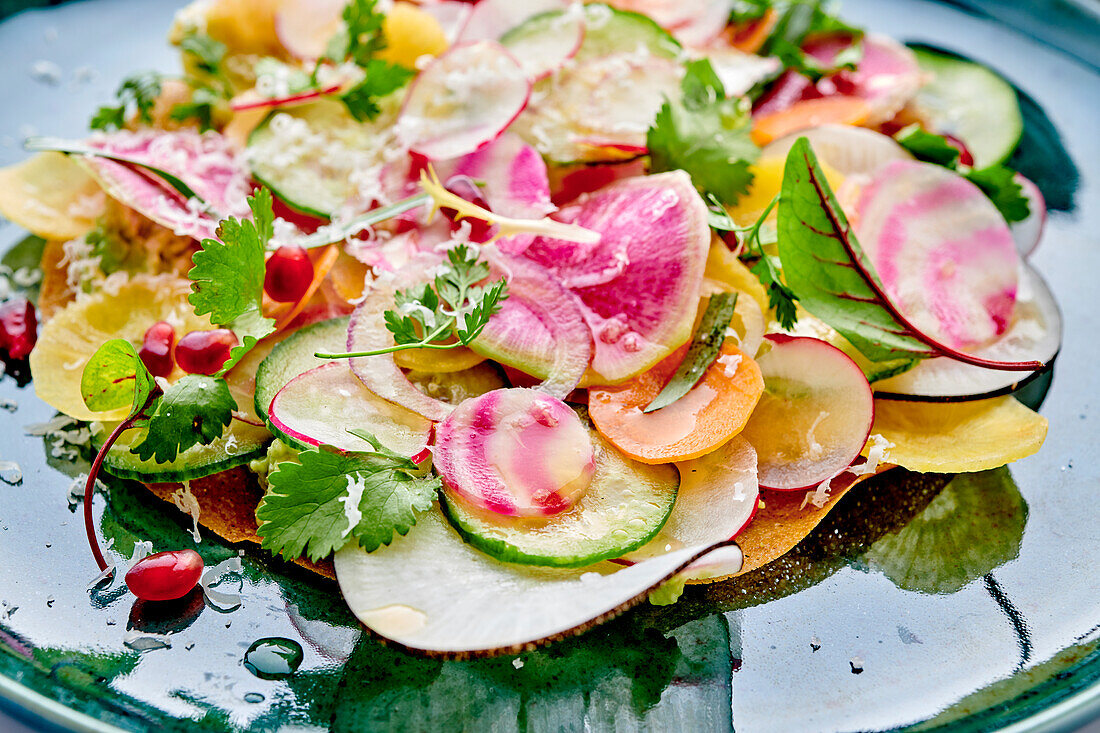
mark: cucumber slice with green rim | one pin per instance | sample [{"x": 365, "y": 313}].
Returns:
[
  {"x": 971, "y": 102},
  {"x": 308, "y": 155},
  {"x": 626, "y": 504},
  {"x": 294, "y": 356},
  {"x": 239, "y": 444},
  {"x": 609, "y": 30}
]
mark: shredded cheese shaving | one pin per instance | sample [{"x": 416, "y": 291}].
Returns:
[{"x": 186, "y": 502}]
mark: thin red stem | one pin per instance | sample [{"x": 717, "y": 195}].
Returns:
[{"x": 89, "y": 489}]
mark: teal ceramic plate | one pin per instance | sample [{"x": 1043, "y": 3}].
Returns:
[{"x": 971, "y": 606}]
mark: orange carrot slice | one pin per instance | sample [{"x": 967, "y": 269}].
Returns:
[
  {"x": 750, "y": 37},
  {"x": 715, "y": 410},
  {"x": 809, "y": 113}
]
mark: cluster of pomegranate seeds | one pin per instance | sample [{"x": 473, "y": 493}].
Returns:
[
  {"x": 288, "y": 275},
  {"x": 465, "y": 188},
  {"x": 204, "y": 352},
  {"x": 165, "y": 576},
  {"x": 156, "y": 349},
  {"x": 18, "y": 327}
]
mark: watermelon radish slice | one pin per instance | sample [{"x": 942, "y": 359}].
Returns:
[
  {"x": 1027, "y": 233},
  {"x": 639, "y": 285},
  {"x": 540, "y": 329},
  {"x": 814, "y": 416},
  {"x": 491, "y": 19},
  {"x": 317, "y": 408},
  {"x": 434, "y": 594},
  {"x": 850, "y": 151},
  {"x": 718, "y": 497},
  {"x": 546, "y": 42},
  {"x": 570, "y": 182},
  {"x": 381, "y": 375},
  {"x": 463, "y": 100},
  {"x": 304, "y": 27},
  {"x": 1034, "y": 333},
  {"x": 944, "y": 254},
  {"x": 515, "y": 452},
  {"x": 887, "y": 77}
]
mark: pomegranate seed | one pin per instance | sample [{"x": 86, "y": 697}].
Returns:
[
  {"x": 289, "y": 273},
  {"x": 165, "y": 576},
  {"x": 204, "y": 352},
  {"x": 465, "y": 188},
  {"x": 156, "y": 349},
  {"x": 965, "y": 158},
  {"x": 18, "y": 327}
]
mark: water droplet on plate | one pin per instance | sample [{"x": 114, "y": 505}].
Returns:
[
  {"x": 273, "y": 658},
  {"x": 253, "y": 697}
]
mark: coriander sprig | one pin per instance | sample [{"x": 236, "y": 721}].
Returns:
[
  {"x": 780, "y": 297},
  {"x": 449, "y": 312}
]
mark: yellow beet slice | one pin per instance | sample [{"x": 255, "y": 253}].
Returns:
[
  {"x": 51, "y": 196},
  {"x": 956, "y": 437}
]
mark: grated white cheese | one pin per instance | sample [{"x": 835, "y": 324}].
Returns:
[
  {"x": 186, "y": 502},
  {"x": 877, "y": 453},
  {"x": 356, "y": 485},
  {"x": 143, "y": 641},
  {"x": 220, "y": 600},
  {"x": 729, "y": 362},
  {"x": 11, "y": 473}
]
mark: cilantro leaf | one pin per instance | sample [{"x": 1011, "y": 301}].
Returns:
[
  {"x": 204, "y": 52},
  {"x": 780, "y": 297},
  {"x": 361, "y": 37},
  {"x": 204, "y": 102},
  {"x": 138, "y": 92},
  {"x": 799, "y": 19},
  {"x": 382, "y": 78},
  {"x": 705, "y": 134},
  {"x": 194, "y": 410},
  {"x": 928, "y": 147},
  {"x": 306, "y": 509},
  {"x": 999, "y": 183},
  {"x": 115, "y": 377}
]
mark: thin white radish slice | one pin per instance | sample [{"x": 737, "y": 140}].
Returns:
[
  {"x": 814, "y": 416},
  {"x": 544, "y": 45},
  {"x": 1034, "y": 333},
  {"x": 717, "y": 499},
  {"x": 381, "y": 375},
  {"x": 738, "y": 71},
  {"x": 1028, "y": 232},
  {"x": 434, "y": 594},
  {"x": 491, "y": 19},
  {"x": 318, "y": 407},
  {"x": 516, "y": 452},
  {"x": 846, "y": 149},
  {"x": 463, "y": 100},
  {"x": 539, "y": 330},
  {"x": 304, "y": 27},
  {"x": 942, "y": 250}
]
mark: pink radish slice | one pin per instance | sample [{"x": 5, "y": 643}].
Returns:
[
  {"x": 317, "y": 408},
  {"x": 517, "y": 452},
  {"x": 304, "y": 27},
  {"x": 539, "y": 330},
  {"x": 490, "y": 19},
  {"x": 942, "y": 250},
  {"x": 887, "y": 76},
  {"x": 717, "y": 499},
  {"x": 851, "y": 151},
  {"x": 367, "y": 332},
  {"x": 252, "y": 99},
  {"x": 640, "y": 284},
  {"x": 1028, "y": 232},
  {"x": 542, "y": 53},
  {"x": 207, "y": 163},
  {"x": 1034, "y": 334},
  {"x": 814, "y": 416},
  {"x": 463, "y": 100},
  {"x": 573, "y": 181}
]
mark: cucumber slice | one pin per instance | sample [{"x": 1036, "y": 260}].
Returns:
[
  {"x": 971, "y": 102},
  {"x": 239, "y": 444},
  {"x": 311, "y": 155},
  {"x": 294, "y": 356},
  {"x": 609, "y": 30},
  {"x": 626, "y": 504}
]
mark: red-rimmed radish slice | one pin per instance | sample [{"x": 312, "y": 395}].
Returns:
[
  {"x": 814, "y": 416},
  {"x": 252, "y": 99},
  {"x": 206, "y": 163},
  {"x": 1034, "y": 333},
  {"x": 1028, "y": 232},
  {"x": 434, "y": 594},
  {"x": 317, "y": 408},
  {"x": 304, "y": 27},
  {"x": 516, "y": 452},
  {"x": 717, "y": 499},
  {"x": 491, "y": 19},
  {"x": 847, "y": 150},
  {"x": 886, "y": 77},
  {"x": 543, "y": 44},
  {"x": 640, "y": 284},
  {"x": 539, "y": 330},
  {"x": 381, "y": 375},
  {"x": 463, "y": 100},
  {"x": 452, "y": 16},
  {"x": 942, "y": 250}
]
